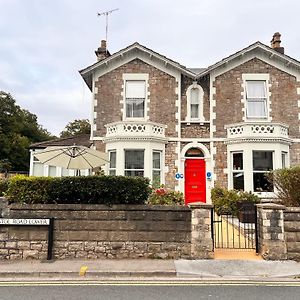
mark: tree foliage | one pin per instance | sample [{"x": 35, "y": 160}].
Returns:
[
  {"x": 287, "y": 184},
  {"x": 18, "y": 129},
  {"x": 76, "y": 127}
]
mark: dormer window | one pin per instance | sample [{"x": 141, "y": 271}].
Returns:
[
  {"x": 256, "y": 99},
  {"x": 135, "y": 95},
  {"x": 195, "y": 103}
]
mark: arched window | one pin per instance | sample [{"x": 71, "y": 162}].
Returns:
[
  {"x": 195, "y": 103},
  {"x": 194, "y": 152}
]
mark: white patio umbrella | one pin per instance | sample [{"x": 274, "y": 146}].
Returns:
[{"x": 72, "y": 157}]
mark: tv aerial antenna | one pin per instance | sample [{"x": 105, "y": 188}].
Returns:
[{"x": 106, "y": 13}]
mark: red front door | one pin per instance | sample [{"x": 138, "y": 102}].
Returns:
[{"x": 195, "y": 181}]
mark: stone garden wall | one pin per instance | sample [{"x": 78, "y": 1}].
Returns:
[
  {"x": 279, "y": 231},
  {"x": 98, "y": 231},
  {"x": 128, "y": 231},
  {"x": 292, "y": 232}
]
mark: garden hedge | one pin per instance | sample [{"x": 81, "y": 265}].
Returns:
[{"x": 107, "y": 190}]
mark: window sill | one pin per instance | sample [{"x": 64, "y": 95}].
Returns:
[
  {"x": 255, "y": 119},
  {"x": 188, "y": 122},
  {"x": 265, "y": 195}
]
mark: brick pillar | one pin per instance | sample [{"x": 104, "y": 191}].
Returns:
[
  {"x": 201, "y": 237},
  {"x": 271, "y": 241}
]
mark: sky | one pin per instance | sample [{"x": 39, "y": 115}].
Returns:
[{"x": 44, "y": 43}]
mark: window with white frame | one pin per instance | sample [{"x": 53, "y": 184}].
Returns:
[
  {"x": 134, "y": 162},
  {"x": 112, "y": 162},
  {"x": 237, "y": 170},
  {"x": 256, "y": 99},
  {"x": 52, "y": 171},
  {"x": 262, "y": 165},
  {"x": 195, "y": 103},
  {"x": 156, "y": 168},
  {"x": 38, "y": 167},
  {"x": 284, "y": 159},
  {"x": 135, "y": 95}
]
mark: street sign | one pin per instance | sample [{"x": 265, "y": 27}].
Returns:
[{"x": 24, "y": 221}]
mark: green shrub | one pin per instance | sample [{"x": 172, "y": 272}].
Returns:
[
  {"x": 26, "y": 189},
  {"x": 226, "y": 201},
  {"x": 287, "y": 184},
  {"x": 107, "y": 190},
  {"x": 3, "y": 186},
  {"x": 163, "y": 196}
]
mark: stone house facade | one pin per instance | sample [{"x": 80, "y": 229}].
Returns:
[
  {"x": 195, "y": 128},
  {"x": 192, "y": 129}
]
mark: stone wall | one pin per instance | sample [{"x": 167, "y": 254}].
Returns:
[
  {"x": 109, "y": 96},
  {"x": 292, "y": 232},
  {"x": 97, "y": 231},
  {"x": 271, "y": 241},
  {"x": 279, "y": 231}
]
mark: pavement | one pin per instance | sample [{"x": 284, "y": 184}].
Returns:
[{"x": 150, "y": 269}]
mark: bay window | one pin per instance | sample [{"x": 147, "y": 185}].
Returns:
[
  {"x": 262, "y": 164},
  {"x": 156, "y": 168},
  {"x": 134, "y": 163},
  {"x": 112, "y": 162},
  {"x": 238, "y": 171}
]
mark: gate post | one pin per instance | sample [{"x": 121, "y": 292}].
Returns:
[
  {"x": 271, "y": 240},
  {"x": 201, "y": 231}
]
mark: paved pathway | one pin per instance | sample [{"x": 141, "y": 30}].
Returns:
[{"x": 143, "y": 268}]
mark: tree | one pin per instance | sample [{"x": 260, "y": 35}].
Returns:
[
  {"x": 76, "y": 127},
  {"x": 18, "y": 129}
]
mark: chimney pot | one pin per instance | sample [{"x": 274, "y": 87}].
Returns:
[
  {"x": 275, "y": 42},
  {"x": 101, "y": 52},
  {"x": 103, "y": 44}
]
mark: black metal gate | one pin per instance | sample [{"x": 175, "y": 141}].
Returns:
[{"x": 237, "y": 230}]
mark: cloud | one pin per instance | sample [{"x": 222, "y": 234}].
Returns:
[{"x": 45, "y": 43}]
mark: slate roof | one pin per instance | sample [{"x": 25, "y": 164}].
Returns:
[
  {"x": 251, "y": 47},
  {"x": 86, "y": 72},
  {"x": 81, "y": 140},
  {"x": 192, "y": 72}
]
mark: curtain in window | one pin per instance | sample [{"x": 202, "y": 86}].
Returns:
[
  {"x": 194, "y": 103},
  {"x": 256, "y": 108},
  {"x": 135, "y": 108},
  {"x": 256, "y": 99},
  {"x": 194, "y": 96},
  {"x": 135, "y": 98},
  {"x": 134, "y": 159}
]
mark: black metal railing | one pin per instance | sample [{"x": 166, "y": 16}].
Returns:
[{"x": 235, "y": 231}]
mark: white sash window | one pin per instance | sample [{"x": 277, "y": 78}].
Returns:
[
  {"x": 135, "y": 91},
  {"x": 256, "y": 98}
]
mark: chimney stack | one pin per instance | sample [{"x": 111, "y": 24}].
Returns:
[
  {"x": 102, "y": 52},
  {"x": 275, "y": 43}
]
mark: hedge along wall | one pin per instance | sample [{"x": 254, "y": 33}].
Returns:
[
  {"x": 98, "y": 231},
  {"x": 292, "y": 232}
]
